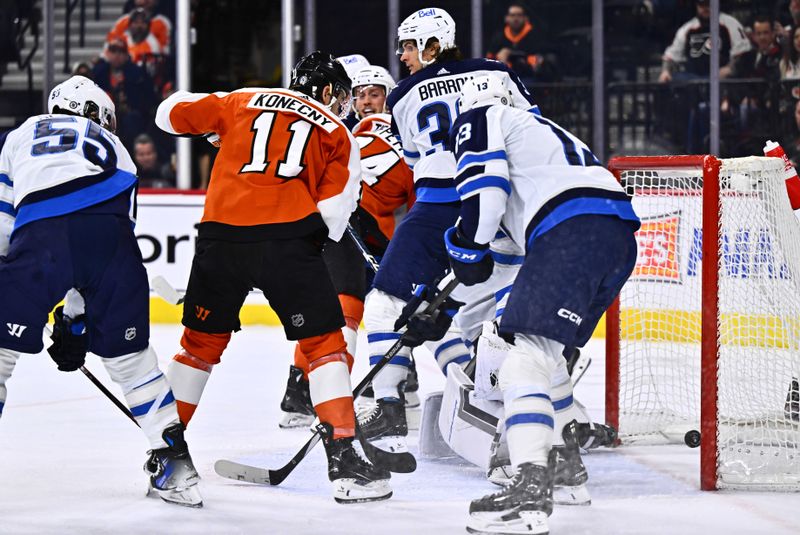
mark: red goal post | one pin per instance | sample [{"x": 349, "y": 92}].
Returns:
[{"x": 667, "y": 341}]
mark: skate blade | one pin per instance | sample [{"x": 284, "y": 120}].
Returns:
[
  {"x": 528, "y": 522},
  {"x": 188, "y": 497},
  {"x": 392, "y": 444},
  {"x": 578, "y": 495},
  {"x": 293, "y": 420},
  {"x": 347, "y": 490}
]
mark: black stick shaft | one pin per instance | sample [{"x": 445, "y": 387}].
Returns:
[
  {"x": 371, "y": 262},
  {"x": 100, "y": 386}
]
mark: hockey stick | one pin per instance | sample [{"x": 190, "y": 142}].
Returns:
[
  {"x": 255, "y": 474},
  {"x": 166, "y": 291},
  {"x": 100, "y": 386},
  {"x": 362, "y": 247}
]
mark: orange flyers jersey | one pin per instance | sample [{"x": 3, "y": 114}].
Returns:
[
  {"x": 282, "y": 158},
  {"x": 388, "y": 182},
  {"x": 160, "y": 29}
]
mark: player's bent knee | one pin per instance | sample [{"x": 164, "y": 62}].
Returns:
[
  {"x": 127, "y": 369},
  {"x": 317, "y": 347},
  {"x": 381, "y": 309},
  {"x": 207, "y": 347}
]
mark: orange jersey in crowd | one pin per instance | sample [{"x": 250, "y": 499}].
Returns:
[
  {"x": 388, "y": 183},
  {"x": 283, "y": 157},
  {"x": 160, "y": 31}
]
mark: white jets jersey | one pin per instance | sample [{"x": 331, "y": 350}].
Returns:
[
  {"x": 58, "y": 164},
  {"x": 424, "y": 107},
  {"x": 529, "y": 175}
]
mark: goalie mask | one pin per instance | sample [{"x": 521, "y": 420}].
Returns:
[
  {"x": 483, "y": 91},
  {"x": 81, "y": 96},
  {"x": 426, "y": 24},
  {"x": 318, "y": 70}
]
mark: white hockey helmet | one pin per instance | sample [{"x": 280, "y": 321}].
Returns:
[
  {"x": 374, "y": 75},
  {"x": 81, "y": 96},
  {"x": 483, "y": 90},
  {"x": 425, "y": 24},
  {"x": 352, "y": 64}
]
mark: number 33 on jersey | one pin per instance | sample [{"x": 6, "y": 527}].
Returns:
[{"x": 283, "y": 157}]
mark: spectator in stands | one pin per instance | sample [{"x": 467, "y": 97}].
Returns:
[
  {"x": 790, "y": 63},
  {"x": 523, "y": 47},
  {"x": 82, "y": 68},
  {"x": 130, "y": 87},
  {"x": 691, "y": 47},
  {"x": 763, "y": 61},
  {"x": 152, "y": 172},
  {"x": 159, "y": 26}
]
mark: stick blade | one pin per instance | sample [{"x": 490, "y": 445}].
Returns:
[
  {"x": 165, "y": 290},
  {"x": 242, "y": 472}
]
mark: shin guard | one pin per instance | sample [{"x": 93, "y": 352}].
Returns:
[
  {"x": 8, "y": 359},
  {"x": 329, "y": 381},
  {"x": 191, "y": 367},
  {"x": 146, "y": 391},
  {"x": 380, "y": 312}
]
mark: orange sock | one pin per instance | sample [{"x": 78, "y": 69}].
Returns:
[{"x": 191, "y": 367}]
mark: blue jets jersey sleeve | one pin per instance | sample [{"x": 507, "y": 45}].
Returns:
[{"x": 54, "y": 165}]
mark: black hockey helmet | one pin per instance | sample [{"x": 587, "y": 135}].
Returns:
[{"x": 319, "y": 69}]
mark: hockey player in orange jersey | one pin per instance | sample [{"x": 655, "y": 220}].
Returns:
[
  {"x": 387, "y": 184},
  {"x": 285, "y": 179}
]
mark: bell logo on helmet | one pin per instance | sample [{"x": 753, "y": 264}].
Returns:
[{"x": 427, "y": 12}]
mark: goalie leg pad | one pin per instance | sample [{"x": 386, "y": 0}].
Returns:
[
  {"x": 492, "y": 351},
  {"x": 147, "y": 392},
  {"x": 525, "y": 379},
  {"x": 468, "y": 424},
  {"x": 380, "y": 312}
]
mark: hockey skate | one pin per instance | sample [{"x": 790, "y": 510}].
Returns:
[
  {"x": 591, "y": 435},
  {"x": 570, "y": 476},
  {"x": 354, "y": 479},
  {"x": 296, "y": 404},
  {"x": 172, "y": 474},
  {"x": 521, "y": 507},
  {"x": 410, "y": 387},
  {"x": 384, "y": 425}
]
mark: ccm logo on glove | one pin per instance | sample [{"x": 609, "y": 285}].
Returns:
[{"x": 571, "y": 316}]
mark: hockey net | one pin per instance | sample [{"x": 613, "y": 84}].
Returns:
[{"x": 706, "y": 333}]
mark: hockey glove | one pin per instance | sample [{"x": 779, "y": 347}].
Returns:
[
  {"x": 425, "y": 326},
  {"x": 70, "y": 341},
  {"x": 471, "y": 262}
]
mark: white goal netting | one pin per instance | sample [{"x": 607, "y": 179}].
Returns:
[{"x": 758, "y": 432}]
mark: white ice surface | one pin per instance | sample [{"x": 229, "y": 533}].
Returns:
[{"x": 72, "y": 463}]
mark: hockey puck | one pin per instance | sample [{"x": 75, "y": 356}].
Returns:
[{"x": 692, "y": 438}]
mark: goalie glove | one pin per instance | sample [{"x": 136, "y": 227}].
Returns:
[
  {"x": 70, "y": 341},
  {"x": 425, "y": 326}
]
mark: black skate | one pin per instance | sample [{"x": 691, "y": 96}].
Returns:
[
  {"x": 570, "y": 476},
  {"x": 521, "y": 507},
  {"x": 296, "y": 404},
  {"x": 172, "y": 474},
  {"x": 384, "y": 425},
  {"x": 354, "y": 479},
  {"x": 592, "y": 435},
  {"x": 793, "y": 401}
]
